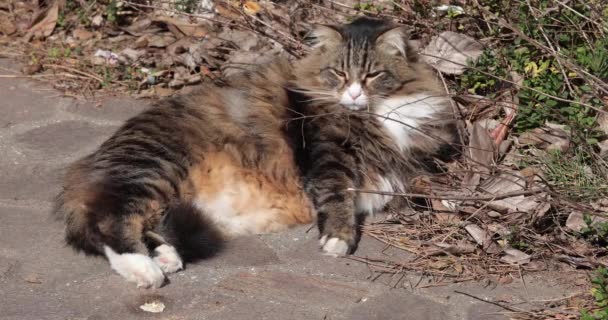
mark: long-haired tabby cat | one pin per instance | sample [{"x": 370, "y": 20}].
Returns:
[{"x": 265, "y": 153}]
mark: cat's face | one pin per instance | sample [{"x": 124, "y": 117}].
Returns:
[{"x": 357, "y": 65}]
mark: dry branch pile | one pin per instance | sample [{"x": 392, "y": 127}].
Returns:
[{"x": 515, "y": 201}]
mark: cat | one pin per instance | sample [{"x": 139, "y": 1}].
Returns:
[
  {"x": 182, "y": 176},
  {"x": 374, "y": 116},
  {"x": 276, "y": 147}
]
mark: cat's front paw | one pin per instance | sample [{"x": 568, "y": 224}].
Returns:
[
  {"x": 334, "y": 246},
  {"x": 337, "y": 245}
]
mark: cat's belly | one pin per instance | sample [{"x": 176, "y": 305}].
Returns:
[{"x": 244, "y": 201}]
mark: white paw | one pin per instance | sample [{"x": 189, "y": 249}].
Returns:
[
  {"x": 334, "y": 247},
  {"x": 168, "y": 259},
  {"x": 137, "y": 268}
]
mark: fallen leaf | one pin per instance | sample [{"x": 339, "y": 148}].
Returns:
[
  {"x": 453, "y": 249},
  {"x": 576, "y": 221},
  {"x": 481, "y": 148},
  {"x": 45, "y": 27},
  {"x": 32, "y": 278},
  {"x": 97, "y": 20},
  {"x": 515, "y": 257},
  {"x": 131, "y": 54},
  {"x": 549, "y": 137},
  {"x": 154, "y": 307},
  {"x": 505, "y": 279},
  {"x": 182, "y": 28},
  {"x": 251, "y": 8},
  {"x": 602, "y": 121},
  {"x": 449, "y": 52},
  {"x": 446, "y": 217},
  {"x": 482, "y": 238},
  {"x": 139, "y": 26},
  {"x": 7, "y": 26},
  {"x": 31, "y": 69},
  {"x": 82, "y": 34},
  {"x": 157, "y": 40},
  {"x": 475, "y": 107}
]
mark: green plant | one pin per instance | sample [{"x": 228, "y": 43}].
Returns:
[
  {"x": 187, "y": 6},
  {"x": 112, "y": 11},
  {"x": 571, "y": 175},
  {"x": 599, "y": 292},
  {"x": 595, "y": 232},
  {"x": 371, "y": 7},
  {"x": 484, "y": 76},
  {"x": 551, "y": 38},
  {"x": 516, "y": 239}
]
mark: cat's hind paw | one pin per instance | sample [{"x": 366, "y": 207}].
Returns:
[
  {"x": 334, "y": 247},
  {"x": 168, "y": 259},
  {"x": 137, "y": 268}
]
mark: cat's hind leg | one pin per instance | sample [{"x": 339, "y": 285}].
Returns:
[
  {"x": 93, "y": 226},
  {"x": 133, "y": 262},
  {"x": 136, "y": 267},
  {"x": 165, "y": 255}
]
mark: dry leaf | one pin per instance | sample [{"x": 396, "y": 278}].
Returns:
[
  {"x": 7, "y": 26},
  {"x": 45, "y": 27},
  {"x": 550, "y": 137},
  {"x": 82, "y": 34},
  {"x": 450, "y": 51},
  {"x": 576, "y": 222},
  {"x": 32, "y": 278},
  {"x": 481, "y": 148},
  {"x": 154, "y": 307},
  {"x": 483, "y": 238},
  {"x": 182, "y": 28},
  {"x": 31, "y": 68},
  {"x": 251, "y": 8},
  {"x": 457, "y": 249},
  {"x": 515, "y": 257}
]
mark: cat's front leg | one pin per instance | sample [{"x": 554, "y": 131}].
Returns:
[{"x": 335, "y": 207}]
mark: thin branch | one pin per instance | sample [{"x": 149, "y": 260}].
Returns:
[{"x": 454, "y": 197}]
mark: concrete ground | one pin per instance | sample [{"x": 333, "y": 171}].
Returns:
[{"x": 279, "y": 276}]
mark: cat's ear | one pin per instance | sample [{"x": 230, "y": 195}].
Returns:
[
  {"x": 322, "y": 35},
  {"x": 395, "y": 42}
]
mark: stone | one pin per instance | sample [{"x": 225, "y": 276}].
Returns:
[
  {"x": 486, "y": 311},
  {"x": 108, "y": 108},
  {"x": 397, "y": 306},
  {"x": 246, "y": 251},
  {"x": 63, "y": 138}
]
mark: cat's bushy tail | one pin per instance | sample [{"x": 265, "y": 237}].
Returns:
[{"x": 190, "y": 232}]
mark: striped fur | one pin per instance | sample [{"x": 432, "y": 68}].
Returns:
[
  {"x": 380, "y": 144},
  {"x": 268, "y": 151},
  {"x": 208, "y": 162}
]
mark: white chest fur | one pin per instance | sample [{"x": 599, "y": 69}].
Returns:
[
  {"x": 403, "y": 115},
  {"x": 370, "y": 203}
]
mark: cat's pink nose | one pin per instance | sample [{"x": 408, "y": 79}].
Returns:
[{"x": 354, "y": 91}]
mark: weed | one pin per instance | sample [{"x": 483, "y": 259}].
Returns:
[
  {"x": 572, "y": 176},
  {"x": 187, "y": 6},
  {"x": 112, "y": 11},
  {"x": 516, "y": 239},
  {"x": 550, "y": 91},
  {"x": 600, "y": 296},
  {"x": 595, "y": 232}
]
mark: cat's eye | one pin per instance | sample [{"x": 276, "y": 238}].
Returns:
[
  {"x": 338, "y": 73},
  {"x": 374, "y": 74}
]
